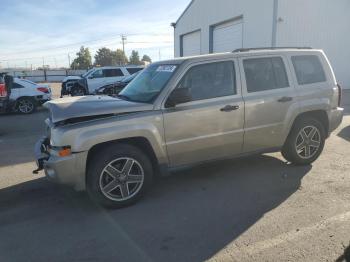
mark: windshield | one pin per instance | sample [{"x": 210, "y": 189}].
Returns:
[
  {"x": 149, "y": 83},
  {"x": 87, "y": 73}
]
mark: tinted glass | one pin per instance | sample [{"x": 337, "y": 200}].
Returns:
[
  {"x": 112, "y": 72},
  {"x": 308, "y": 69},
  {"x": 16, "y": 85},
  {"x": 97, "y": 74},
  {"x": 149, "y": 83},
  {"x": 265, "y": 74},
  {"x": 133, "y": 70},
  {"x": 210, "y": 81}
]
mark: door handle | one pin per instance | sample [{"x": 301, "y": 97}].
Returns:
[
  {"x": 229, "y": 108},
  {"x": 285, "y": 99}
]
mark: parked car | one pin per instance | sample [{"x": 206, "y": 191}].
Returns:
[
  {"x": 95, "y": 78},
  {"x": 26, "y": 95},
  {"x": 6, "y": 82},
  {"x": 188, "y": 111},
  {"x": 115, "y": 88}
]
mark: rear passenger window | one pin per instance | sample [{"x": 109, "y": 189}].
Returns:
[
  {"x": 308, "y": 69},
  {"x": 112, "y": 72},
  {"x": 265, "y": 74},
  {"x": 210, "y": 80}
]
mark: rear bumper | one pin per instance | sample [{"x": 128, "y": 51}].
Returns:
[
  {"x": 68, "y": 170},
  {"x": 335, "y": 118}
]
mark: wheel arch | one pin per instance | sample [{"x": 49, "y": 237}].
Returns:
[
  {"x": 141, "y": 143},
  {"x": 320, "y": 115}
]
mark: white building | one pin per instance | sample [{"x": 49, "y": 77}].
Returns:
[{"x": 209, "y": 26}]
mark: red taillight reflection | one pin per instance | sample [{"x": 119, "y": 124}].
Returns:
[{"x": 43, "y": 89}]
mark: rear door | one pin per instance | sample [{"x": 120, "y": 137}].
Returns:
[
  {"x": 211, "y": 125},
  {"x": 269, "y": 98},
  {"x": 113, "y": 75}
]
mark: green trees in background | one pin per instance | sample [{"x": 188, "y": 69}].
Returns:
[
  {"x": 83, "y": 59},
  {"x": 107, "y": 57}
]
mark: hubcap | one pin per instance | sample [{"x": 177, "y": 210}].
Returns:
[
  {"x": 25, "y": 106},
  {"x": 308, "y": 142},
  {"x": 121, "y": 179}
]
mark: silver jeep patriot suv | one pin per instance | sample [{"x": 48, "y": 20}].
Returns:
[{"x": 191, "y": 110}]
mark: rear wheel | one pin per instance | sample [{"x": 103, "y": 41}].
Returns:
[
  {"x": 305, "y": 143},
  {"x": 118, "y": 176},
  {"x": 26, "y": 105}
]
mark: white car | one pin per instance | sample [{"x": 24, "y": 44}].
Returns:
[
  {"x": 95, "y": 78},
  {"x": 26, "y": 95}
]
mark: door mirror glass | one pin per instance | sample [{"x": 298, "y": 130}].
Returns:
[{"x": 178, "y": 96}]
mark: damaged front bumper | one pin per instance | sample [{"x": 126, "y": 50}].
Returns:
[{"x": 69, "y": 170}]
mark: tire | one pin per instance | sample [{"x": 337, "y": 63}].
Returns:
[
  {"x": 305, "y": 142},
  {"x": 109, "y": 183},
  {"x": 26, "y": 105},
  {"x": 78, "y": 91}
]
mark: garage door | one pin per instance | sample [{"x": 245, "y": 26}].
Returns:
[
  {"x": 191, "y": 44},
  {"x": 228, "y": 36}
]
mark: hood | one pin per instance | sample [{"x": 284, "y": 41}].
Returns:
[
  {"x": 90, "y": 106},
  {"x": 68, "y": 78}
]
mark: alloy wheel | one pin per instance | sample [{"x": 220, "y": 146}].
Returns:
[
  {"x": 25, "y": 106},
  {"x": 121, "y": 179},
  {"x": 308, "y": 142}
]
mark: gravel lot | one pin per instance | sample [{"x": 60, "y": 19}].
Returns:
[{"x": 252, "y": 209}]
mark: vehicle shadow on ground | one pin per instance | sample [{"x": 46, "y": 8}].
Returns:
[
  {"x": 346, "y": 256},
  {"x": 345, "y": 133},
  {"x": 188, "y": 216}
]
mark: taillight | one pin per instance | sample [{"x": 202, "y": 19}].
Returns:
[
  {"x": 43, "y": 89},
  {"x": 339, "y": 94}
]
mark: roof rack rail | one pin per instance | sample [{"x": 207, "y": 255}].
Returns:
[{"x": 267, "y": 48}]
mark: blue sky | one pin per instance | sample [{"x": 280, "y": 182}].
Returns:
[{"x": 32, "y": 30}]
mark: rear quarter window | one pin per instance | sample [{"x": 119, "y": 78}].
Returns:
[{"x": 308, "y": 69}]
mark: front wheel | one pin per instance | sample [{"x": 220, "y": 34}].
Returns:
[
  {"x": 78, "y": 91},
  {"x": 305, "y": 143},
  {"x": 118, "y": 176}
]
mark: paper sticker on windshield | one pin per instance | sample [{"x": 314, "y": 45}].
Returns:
[{"x": 166, "y": 68}]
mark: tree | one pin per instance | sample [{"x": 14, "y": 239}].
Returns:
[
  {"x": 146, "y": 58},
  {"x": 104, "y": 57},
  {"x": 120, "y": 57},
  {"x": 83, "y": 59},
  {"x": 107, "y": 57},
  {"x": 135, "y": 58}
]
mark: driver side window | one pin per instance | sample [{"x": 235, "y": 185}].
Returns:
[
  {"x": 97, "y": 74},
  {"x": 210, "y": 80}
]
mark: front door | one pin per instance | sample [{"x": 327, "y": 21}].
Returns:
[
  {"x": 211, "y": 125},
  {"x": 96, "y": 80},
  {"x": 269, "y": 99}
]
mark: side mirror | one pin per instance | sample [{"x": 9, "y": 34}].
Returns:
[
  {"x": 178, "y": 96},
  {"x": 91, "y": 77}
]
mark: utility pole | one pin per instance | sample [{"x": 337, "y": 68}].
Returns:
[
  {"x": 68, "y": 60},
  {"x": 123, "y": 42},
  {"x": 43, "y": 63},
  {"x": 159, "y": 55}
]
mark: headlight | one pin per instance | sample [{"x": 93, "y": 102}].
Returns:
[{"x": 60, "y": 151}]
